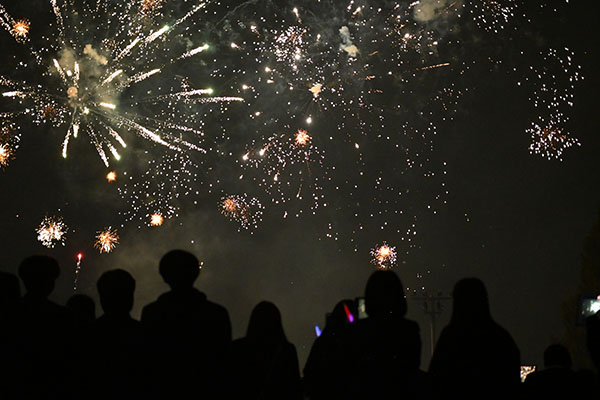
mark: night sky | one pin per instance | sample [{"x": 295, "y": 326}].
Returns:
[{"x": 514, "y": 219}]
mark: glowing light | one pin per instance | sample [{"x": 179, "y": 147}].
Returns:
[
  {"x": 349, "y": 315},
  {"x": 111, "y": 176},
  {"x": 318, "y": 331},
  {"x": 106, "y": 240},
  {"x": 108, "y": 105}
]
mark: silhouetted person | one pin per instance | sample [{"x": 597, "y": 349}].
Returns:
[
  {"x": 190, "y": 335},
  {"x": 10, "y": 291},
  {"x": 592, "y": 328},
  {"x": 82, "y": 307},
  {"x": 44, "y": 351},
  {"x": 83, "y": 310},
  {"x": 264, "y": 364},
  {"x": 324, "y": 370},
  {"x": 10, "y": 294},
  {"x": 117, "y": 341},
  {"x": 474, "y": 356},
  {"x": 384, "y": 349},
  {"x": 557, "y": 377}
]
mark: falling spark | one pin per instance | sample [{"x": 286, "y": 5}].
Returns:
[{"x": 106, "y": 240}]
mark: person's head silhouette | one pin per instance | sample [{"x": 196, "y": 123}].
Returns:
[
  {"x": 179, "y": 269},
  {"x": 38, "y": 274},
  {"x": 470, "y": 303},
  {"x": 384, "y": 294},
  {"x": 557, "y": 355},
  {"x": 265, "y": 324},
  {"x": 116, "y": 289}
]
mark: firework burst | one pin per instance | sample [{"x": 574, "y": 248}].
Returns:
[
  {"x": 383, "y": 256},
  {"x": 245, "y": 211},
  {"x": 52, "y": 230},
  {"x": 91, "y": 87},
  {"x": 106, "y": 240},
  {"x": 156, "y": 219}
]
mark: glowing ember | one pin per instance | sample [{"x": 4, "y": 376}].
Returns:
[{"x": 111, "y": 176}]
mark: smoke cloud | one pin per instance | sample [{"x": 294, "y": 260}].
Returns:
[
  {"x": 429, "y": 10},
  {"x": 347, "y": 44}
]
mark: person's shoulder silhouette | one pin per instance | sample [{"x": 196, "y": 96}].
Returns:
[
  {"x": 474, "y": 355},
  {"x": 190, "y": 334},
  {"x": 10, "y": 291},
  {"x": 265, "y": 363},
  {"x": 557, "y": 379}
]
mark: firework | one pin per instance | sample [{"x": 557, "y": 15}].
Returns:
[
  {"x": 302, "y": 137},
  {"x": 106, "y": 240},
  {"x": 90, "y": 73},
  {"x": 156, "y": 219},
  {"x": 111, "y": 176},
  {"x": 383, "y": 256},
  {"x": 20, "y": 28},
  {"x": 77, "y": 270},
  {"x": 246, "y": 211},
  {"x": 8, "y": 143},
  {"x": 52, "y": 230}
]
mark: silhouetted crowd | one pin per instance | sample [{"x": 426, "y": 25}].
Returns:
[{"x": 182, "y": 347}]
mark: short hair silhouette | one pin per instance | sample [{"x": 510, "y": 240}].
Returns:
[
  {"x": 179, "y": 269},
  {"x": 384, "y": 294},
  {"x": 38, "y": 274},
  {"x": 265, "y": 324},
  {"x": 116, "y": 289},
  {"x": 82, "y": 306},
  {"x": 557, "y": 355},
  {"x": 470, "y": 302}
]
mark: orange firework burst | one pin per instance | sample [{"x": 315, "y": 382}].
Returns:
[
  {"x": 20, "y": 28},
  {"x": 384, "y": 256},
  {"x": 148, "y": 6},
  {"x": 106, "y": 240},
  {"x": 302, "y": 137},
  {"x": 156, "y": 219},
  {"x": 111, "y": 176},
  {"x": 5, "y": 155}
]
